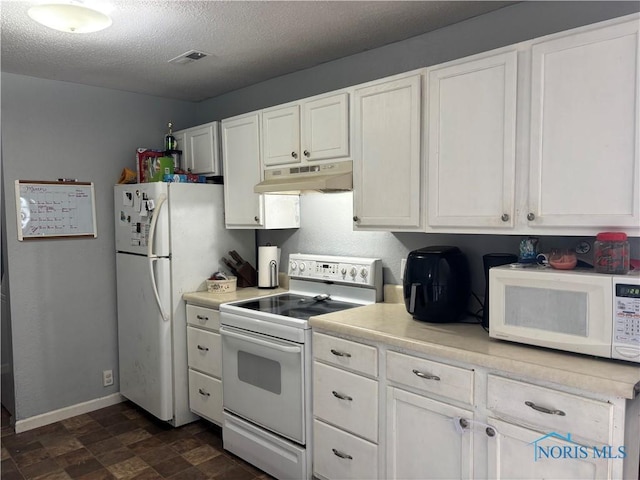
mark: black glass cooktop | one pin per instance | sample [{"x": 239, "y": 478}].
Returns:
[{"x": 297, "y": 306}]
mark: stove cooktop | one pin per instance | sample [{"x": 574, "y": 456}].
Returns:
[{"x": 296, "y": 306}]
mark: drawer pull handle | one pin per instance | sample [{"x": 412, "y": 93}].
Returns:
[
  {"x": 204, "y": 349},
  {"x": 202, "y": 317},
  {"x": 202, "y": 392},
  {"x": 426, "y": 375},
  {"x": 340, "y": 354},
  {"x": 342, "y": 396},
  {"x": 340, "y": 454},
  {"x": 545, "y": 410},
  {"x": 464, "y": 423},
  {"x": 490, "y": 432}
]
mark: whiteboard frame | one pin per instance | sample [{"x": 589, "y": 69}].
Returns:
[{"x": 92, "y": 233}]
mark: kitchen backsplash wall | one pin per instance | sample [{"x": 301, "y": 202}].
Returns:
[{"x": 326, "y": 227}]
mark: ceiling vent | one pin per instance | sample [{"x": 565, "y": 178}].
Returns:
[{"x": 188, "y": 57}]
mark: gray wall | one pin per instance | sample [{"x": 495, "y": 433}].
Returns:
[
  {"x": 509, "y": 25},
  {"x": 63, "y": 292}
]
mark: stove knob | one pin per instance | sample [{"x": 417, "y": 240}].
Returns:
[
  {"x": 363, "y": 273},
  {"x": 353, "y": 272},
  {"x": 343, "y": 271},
  {"x": 302, "y": 267},
  {"x": 293, "y": 266}
]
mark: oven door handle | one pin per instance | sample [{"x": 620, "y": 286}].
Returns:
[{"x": 251, "y": 339}]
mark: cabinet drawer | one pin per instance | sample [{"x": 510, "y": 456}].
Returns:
[
  {"x": 203, "y": 317},
  {"x": 435, "y": 377},
  {"x": 346, "y": 354},
  {"x": 205, "y": 396},
  {"x": 204, "y": 351},
  {"x": 337, "y": 454},
  {"x": 346, "y": 399},
  {"x": 557, "y": 411}
]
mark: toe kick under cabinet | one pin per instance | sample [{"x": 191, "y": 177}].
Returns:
[
  {"x": 204, "y": 353},
  {"x": 384, "y": 412}
]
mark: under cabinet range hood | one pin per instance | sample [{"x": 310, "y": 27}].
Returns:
[{"x": 325, "y": 177}]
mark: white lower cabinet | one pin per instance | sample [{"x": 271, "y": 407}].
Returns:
[
  {"x": 520, "y": 453},
  {"x": 204, "y": 355},
  {"x": 345, "y": 409},
  {"x": 438, "y": 421},
  {"x": 427, "y": 438}
]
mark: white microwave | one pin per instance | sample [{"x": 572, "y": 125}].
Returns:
[{"x": 573, "y": 310}]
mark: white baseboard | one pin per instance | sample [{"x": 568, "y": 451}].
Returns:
[{"x": 67, "y": 412}]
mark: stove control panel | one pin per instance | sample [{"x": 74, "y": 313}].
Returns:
[{"x": 351, "y": 270}]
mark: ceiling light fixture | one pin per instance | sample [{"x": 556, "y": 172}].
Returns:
[{"x": 72, "y": 17}]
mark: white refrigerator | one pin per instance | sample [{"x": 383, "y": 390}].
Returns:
[{"x": 170, "y": 237}]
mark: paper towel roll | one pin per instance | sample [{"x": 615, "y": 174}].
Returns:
[{"x": 268, "y": 265}]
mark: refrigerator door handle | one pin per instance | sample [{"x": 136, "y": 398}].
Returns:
[{"x": 152, "y": 256}]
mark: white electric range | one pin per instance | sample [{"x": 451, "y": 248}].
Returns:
[{"x": 266, "y": 359}]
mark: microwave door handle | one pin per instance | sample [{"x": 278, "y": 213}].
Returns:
[
  {"x": 152, "y": 257},
  {"x": 257, "y": 341},
  {"x": 412, "y": 299}
]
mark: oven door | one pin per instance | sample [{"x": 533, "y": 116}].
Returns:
[{"x": 263, "y": 381}]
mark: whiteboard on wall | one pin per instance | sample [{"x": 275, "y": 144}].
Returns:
[{"x": 55, "y": 209}]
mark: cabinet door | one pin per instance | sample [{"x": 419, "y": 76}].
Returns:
[
  {"x": 585, "y": 129},
  {"x": 281, "y": 136},
  {"x": 325, "y": 127},
  {"x": 425, "y": 439},
  {"x": 241, "y": 158},
  {"x": 472, "y": 140},
  {"x": 519, "y": 453},
  {"x": 387, "y": 156},
  {"x": 202, "y": 148}
]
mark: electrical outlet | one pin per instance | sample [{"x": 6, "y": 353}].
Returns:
[
  {"x": 107, "y": 378},
  {"x": 403, "y": 264}
]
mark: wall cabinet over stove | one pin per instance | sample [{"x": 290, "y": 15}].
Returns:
[{"x": 241, "y": 157}]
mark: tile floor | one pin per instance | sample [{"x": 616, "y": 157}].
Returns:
[{"x": 120, "y": 442}]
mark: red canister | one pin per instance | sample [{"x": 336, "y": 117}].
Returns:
[{"x": 611, "y": 253}]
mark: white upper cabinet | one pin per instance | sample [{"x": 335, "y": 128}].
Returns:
[
  {"x": 241, "y": 158},
  {"x": 200, "y": 149},
  {"x": 309, "y": 130},
  {"x": 584, "y": 146},
  {"x": 472, "y": 140},
  {"x": 387, "y": 160}
]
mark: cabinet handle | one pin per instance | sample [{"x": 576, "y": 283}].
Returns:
[
  {"x": 294, "y": 154},
  {"x": 340, "y": 454},
  {"x": 490, "y": 432},
  {"x": 202, "y": 317},
  {"x": 355, "y": 218},
  {"x": 505, "y": 217},
  {"x": 426, "y": 375},
  {"x": 342, "y": 396},
  {"x": 531, "y": 216},
  {"x": 340, "y": 354},
  {"x": 463, "y": 423},
  {"x": 256, "y": 218},
  {"x": 306, "y": 153},
  {"x": 204, "y": 349},
  {"x": 202, "y": 392},
  {"x": 545, "y": 410}
]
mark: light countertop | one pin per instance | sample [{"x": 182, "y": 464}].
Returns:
[
  {"x": 389, "y": 323},
  {"x": 214, "y": 300}
]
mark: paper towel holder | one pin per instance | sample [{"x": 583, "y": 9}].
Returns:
[{"x": 268, "y": 257}]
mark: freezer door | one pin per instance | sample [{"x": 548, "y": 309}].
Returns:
[
  {"x": 144, "y": 337},
  {"x": 136, "y": 206}
]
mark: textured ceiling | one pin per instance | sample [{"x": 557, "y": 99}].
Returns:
[{"x": 248, "y": 41}]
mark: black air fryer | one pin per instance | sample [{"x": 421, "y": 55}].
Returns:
[{"x": 437, "y": 284}]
